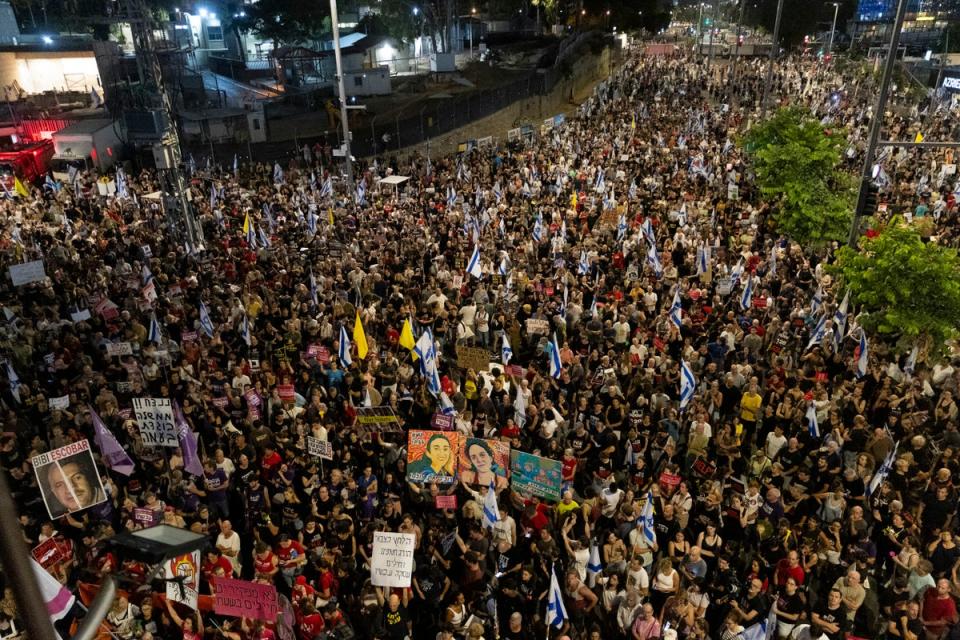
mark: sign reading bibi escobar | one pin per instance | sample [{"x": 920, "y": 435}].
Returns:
[
  {"x": 155, "y": 419},
  {"x": 68, "y": 479},
  {"x": 245, "y": 599},
  {"x": 391, "y": 564}
]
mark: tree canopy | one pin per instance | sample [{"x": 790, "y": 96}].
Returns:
[
  {"x": 909, "y": 289},
  {"x": 796, "y": 161}
]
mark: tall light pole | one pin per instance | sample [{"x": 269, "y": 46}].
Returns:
[
  {"x": 833, "y": 29},
  {"x": 713, "y": 25},
  {"x": 736, "y": 49},
  {"x": 344, "y": 121},
  {"x": 774, "y": 50},
  {"x": 473, "y": 13},
  {"x": 876, "y": 123},
  {"x": 699, "y": 28}
]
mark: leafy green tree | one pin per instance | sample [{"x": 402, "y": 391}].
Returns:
[
  {"x": 796, "y": 162},
  {"x": 908, "y": 289},
  {"x": 285, "y": 21}
]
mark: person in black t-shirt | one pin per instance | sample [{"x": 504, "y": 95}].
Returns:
[
  {"x": 396, "y": 618},
  {"x": 831, "y": 616}
]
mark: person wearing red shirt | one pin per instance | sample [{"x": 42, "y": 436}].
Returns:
[
  {"x": 270, "y": 463},
  {"x": 213, "y": 560},
  {"x": 292, "y": 557},
  {"x": 302, "y": 591},
  {"x": 789, "y": 567},
  {"x": 265, "y": 563},
  {"x": 310, "y": 623},
  {"x": 327, "y": 584},
  {"x": 939, "y": 610}
]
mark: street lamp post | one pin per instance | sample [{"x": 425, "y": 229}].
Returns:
[
  {"x": 833, "y": 29},
  {"x": 473, "y": 12},
  {"x": 699, "y": 28},
  {"x": 344, "y": 121},
  {"x": 774, "y": 50}
]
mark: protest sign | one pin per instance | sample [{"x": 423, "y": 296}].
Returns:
[
  {"x": 445, "y": 502},
  {"x": 184, "y": 571},
  {"x": 119, "y": 349},
  {"x": 68, "y": 479},
  {"x": 244, "y": 599},
  {"x": 155, "y": 419},
  {"x": 189, "y": 336},
  {"x": 484, "y": 461},
  {"x": 538, "y": 326},
  {"x": 514, "y": 370},
  {"x": 221, "y": 402},
  {"x": 442, "y": 422},
  {"x": 27, "y": 272},
  {"x": 80, "y": 315},
  {"x": 475, "y": 358},
  {"x": 47, "y": 553},
  {"x": 144, "y": 516},
  {"x": 533, "y": 475},
  {"x": 382, "y": 418},
  {"x": 147, "y": 251},
  {"x": 252, "y": 398},
  {"x": 286, "y": 392},
  {"x": 391, "y": 563},
  {"x": 320, "y": 448},
  {"x": 61, "y": 403},
  {"x": 432, "y": 456}
]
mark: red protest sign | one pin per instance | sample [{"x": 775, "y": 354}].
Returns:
[
  {"x": 760, "y": 302},
  {"x": 189, "y": 336},
  {"x": 323, "y": 355},
  {"x": 286, "y": 392},
  {"x": 244, "y": 599},
  {"x": 515, "y": 370},
  {"x": 445, "y": 502},
  {"x": 442, "y": 422},
  {"x": 659, "y": 343},
  {"x": 47, "y": 553}
]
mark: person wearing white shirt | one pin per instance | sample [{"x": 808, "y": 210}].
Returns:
[{"x": 228, "y": 542}]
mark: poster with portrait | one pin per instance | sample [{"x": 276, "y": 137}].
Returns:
[
  {"x": 484, "y": 461},
  {"x": 68, "y": 479},
  {"x": 533, "y": 475},
  {"x": 432, "y": 456},
  {"x": 183, "y": 578}
]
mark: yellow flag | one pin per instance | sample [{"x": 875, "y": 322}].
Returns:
[
  {"x": 19, "y": 188},
  {"x": 633, "y": 123},
  {"x": 330, "y": 214},
  {"x": 246, "y": 224},
  {"x": 406, "y": 336},
  {"x": 919, "y": 137},
  {"x": 360, "y": 338},
  {"x": 573, "y": 200}
]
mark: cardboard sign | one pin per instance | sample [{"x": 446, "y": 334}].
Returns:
[
  {"x": 186, "y": 568},
  {"x": 59, "y": 403},
  {"x": 442, "y": 422},
  {"x": 80, "y": 315},
  {"x": 47, "y": 553},
  {"x": 515, "y": 370},
  {"x": 252, "y": 398},
  {"x": 382, "y": 417},
  {"x": 155, "y": 419},
  {"x": 147, "y": 251},
  {"x": 323, "y": 355},
  {"x": 533, "y": 475},
  {"x": 445, "y": 502},
  {"x": 244, "y": 599},
  {"x": 27, "y": 272},
  {"x": 475, "y": 358},
  {"x": 220, "y": 402},
  {"x": 760, "y": 302},
  {"x": 321, "y": 448},
  {"x": 189, "y": 336},
  {"x": 733, "y": 192},
  {"x": 286, "y": 392},
  {"x": 538, "y": 326},
  {"x": 144, "y": 516},
  {"x": 119, "y": 349},
  {"x": 704, "y": 467},
  {"x": 391, "y": 564},
  {"x": 68, "y": 479}
]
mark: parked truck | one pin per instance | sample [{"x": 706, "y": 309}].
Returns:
[
  {"x": 87, "y": 144},
  {"x": 27, "y": 161}
]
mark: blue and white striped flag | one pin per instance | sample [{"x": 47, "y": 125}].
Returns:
[
  {"x": 747, "y": 298},
  {"x": 703, "y": 259},
  {"x": 594, "y": 566},
  {"x": 504, "y": 268},
  {"x": 819, "y": 332},
  {"x": 862, "y": 355},
  {"x": 676, "y": 310},
  {"x": 491, "y": 512},
  {"x": 840, "y": 319},
  {"x": 426, "y": 351},
  {"x": 599, "y": 184},
  {"x": 556, "y": 368},
  {"x": 245, "y": 330},
  {"x": 688, "y": 384},
  {"x": 883, "y": 471},
  {"x": 312, "y": 221},
  {"x": 622, "y": 227},
  {"x": 122, "y": 190},
  {"x": 344, "y": 353},
  {"x": 14, "y": 380},
  {"x": 816, "y": 301},
  {"x": 556, "y": 611},
  {"x": 497, "y": 192},
  {"x": 362, "y": 192},
  {"x": 632, "y": 192},
  {"x": 646, "y": 520},
  {"x": 648, "y": 233},
  {"x": 277, "y": 173},
  {"x": 206, "y": 324},
  {"x": 154, "y": 335},
  {"x": 451, "y": 196},
  {"x": 813, "y": 425},
  {"x": 264, "y": 238},
  {"x": 506, "y": 352},
  {"x": 326, "y": 189},
  {"x": 538, "y": 229},
  {"x": 473, "y": 267},
  {"x": 584, "y": 267},
  {"x": 653, "y": 259}
]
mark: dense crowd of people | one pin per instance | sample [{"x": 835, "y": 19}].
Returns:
[{"x": 661, "y": 341}]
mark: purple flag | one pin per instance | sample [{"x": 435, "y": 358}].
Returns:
[
  {"x": 113, "y": 454},
  {"x": 188, "y": 442}
]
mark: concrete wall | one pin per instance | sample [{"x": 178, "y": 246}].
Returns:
[{"x": 37, "y": 72}]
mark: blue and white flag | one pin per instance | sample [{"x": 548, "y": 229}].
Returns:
[
  {"x": 599, "y": 184},
  {"x": 632, "y": 192},
  {"x": 251, "y": 236},
  {"x": 882, "y": 472},
  {"x": 154, "y": 335},
  {"x": 206, "y": 324},
  {"x": 236, "y": 166},
  {"x": 646, "y": 520},
  {"x": 491, "y": 512},
  {"x": 520, "y": 407},
  {"x": 326, "y": 189},
  {"x": 688, "y": 384},
  {"x": 622, "y": 227},
  {"x": 362, "y": 192},
  {"x": 762, "y": 630},
  {"x": 703, "y": 259},
  {"x": 747, "y": 298},
  {"x": 312, "y": 221},
  {"x": 146, "y": 276},
  {"x": 813, "y": 425},
  {"x": 840, "y": 319},
  {"x": 911, "y": 363},
  {"x": 525, "y": 190},
  {"x": 648, "y": 233},
  {"x": 313, "y": 289},
  {"x": 816, "y": 302},
  {"x": 473, "y": 267},
  {"x": 676, "y": 310},
  {"x": 538, "y": 229},
  {"x": 277, "y": 173},
  {"x": 451, "y": 196},
  {"x": 14, "y": 380},
  {"x": 653, "y": 259},
  {"x": 504, "y": 267},
  {"x": 264, "y": 238},
  {"x": 819, "y": 332},
  {"x": 245, "y": 330},
  {"x": 556, "y": 611},
  {"x": 497, "y": 192},
  {"x": 594, "y": 566},
  {"x": 426, "y": 351},
  {"x": 122, "y": 190},
  {"x": 555, "y": 367},
  {"x": 584, "y": 267},
  {"x": 344, "y": 353},
  {"x": 506, "y": 352},
  {"x": 50, "y": 183},
  {"x": 862, "y": 355}
]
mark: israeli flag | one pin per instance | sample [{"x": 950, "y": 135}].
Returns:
[
  {"x": 646, "y": 520},
  {"x": 426, "y": 351},
  {"x": 50, "y": 183},
  {"x": 538, "y": 229},
  {"x": 556, "y": 611},
  {"x": 497, "y": 192},
  {"x": 362, "y": 192},
  {"x": 688, "y": 384},
  {"x": 632, "y": 192},
  {"x": 676, "y": 310},
  {"x": 206, "y": 324},
  {"x": 594, "y": 566},
  {"x": 736, "y": 273},
  {"x": 312, "y": 222},
  {"x": 251, "y": 236},
  {"x": 344, "y": 353},
  {"x": 122, "y": 190},
  {"x": 555, "y": 367},
  {"x": 599, "y": 184},
  {"x": 911, "y": 363},
  {"x": 313, "y": 289},
  {"x": 460, "y": 173},
  {"x": 883, "y": 471},
  {"x": 813, "y": 425},
  {"x": 506, "y": 352},
  {"x": 816, "y": 302},
  {"x": 446, "y": 406},
  {"x": 264, "y": 238},
  {"x": 245, "y": 330},
  {"x": 326, "y": 189},
  {"x": 648, "y": 233},
  {"x": 504, "y": 268},
  {"x": 653, "y": 259},
  {"x": 703, "y": 259},
  {"x": 840, "y": 318},
  {"x": 818, "y": 332},
  {"x": 502, "y": 227},
  {"x": 268, "y": 213},
  {"x": 14, "y": 381},
  {"x": 862, "y": 355},
  {"x": 451, "y": 196},
  {"x": 473, "y": 267},
  {"x": 584, "y": 267},
  {"x": 146, "y": 275},
  {"x": 277, "y": 173},
  {"x": 154, "y": 335},
  {"x": 491, "y": 512},
  {"x": 525, "y": 191},
  {"x": 747, "y": 298},
  {"x": 622, "y": 227}
]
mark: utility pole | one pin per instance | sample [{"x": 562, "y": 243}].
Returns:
[
  {"x": 876, "y": 123},
  {"x": 774, "y": 50},
  {"x": 736, "y": 49},
  {"x": 713, "y": 25},
  {"x": 344, "y": 121},
  {"x": 833, "y": 29},
  {"x": 699, "y": 28}
]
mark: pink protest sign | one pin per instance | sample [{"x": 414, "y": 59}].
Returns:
[{"x": 244, "y": 599}]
